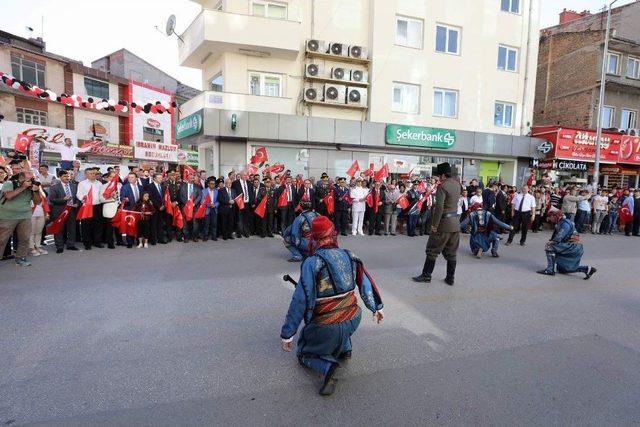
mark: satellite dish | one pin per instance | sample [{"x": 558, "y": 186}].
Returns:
[{"x": 171, "y": 25}]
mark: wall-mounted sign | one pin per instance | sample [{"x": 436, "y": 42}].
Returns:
[
  {"x": 630, "y": 150},
  {"x": 99, "y": 148},
  {"x": 52, "y": 138},
  {"x": 187, "y": 157},
  {"x": 417, "y": 136},
  {"x": 190, "y": 125},
  {"x": 146, "y": 150},
  {"x": 577, "y": 144}
]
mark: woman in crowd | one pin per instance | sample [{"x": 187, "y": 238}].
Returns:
[
  {"x": 145, "y": 207},
  {"x": 38, "y": 219}
]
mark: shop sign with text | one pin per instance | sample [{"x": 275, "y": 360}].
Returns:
[
  {"x": 630, "y": 150},
  {"x": 51, "y": 139},
  {"x": 147, "y": 150},
  {"x": 99, "y": 148},
  {"x": 418, "y": 136},
  {"x": 187, "y": 157},
  {"x": 190, "y": 125}
]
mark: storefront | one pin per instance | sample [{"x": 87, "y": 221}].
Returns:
[{"x": 311, "y": 146}]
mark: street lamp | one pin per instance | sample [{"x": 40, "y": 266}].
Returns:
[{"x": 603, "y": 74}]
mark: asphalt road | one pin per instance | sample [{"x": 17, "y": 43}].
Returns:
[{"x": 188, "y": 334}]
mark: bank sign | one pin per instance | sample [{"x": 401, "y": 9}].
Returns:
[
  {"x": 190, "y": 125},
  {"x": 417, "y": 136}
]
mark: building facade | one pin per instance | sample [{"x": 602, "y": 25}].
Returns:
[
  {"x": 568, "y": 85},
  {"x": 307, "y": 77}
]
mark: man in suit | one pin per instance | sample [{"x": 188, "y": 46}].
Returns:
[
  {"x": 376, "y": 211},
  {"x": 61, "y": 195},
  {"x": 226, "y": 198},
  {"x": 445, "y": 227},
  {"x": 210, "y": 220},
  {"x": 156, "y": 223},
  {"x": 130, "y": 193},
  {"x": 272, "y": 201},
  {"x": 307, "y": 192},
  {"x": 190, "y": 191},
  {"x": 91, "y": 228},
  {"x": 173, "y": 188},
  {"x": 242, "y": 186},
  {"x": 341, "y": 197},
  {"x": 489, "y": 197},
  {"x": 257, "y": 193}
]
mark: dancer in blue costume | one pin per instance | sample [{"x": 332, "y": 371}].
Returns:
[
  {"x": 325, "y": 298},
  {"x": 564, "y": 250},
  {"x": 483, "y": 235},
  {"x": 296, "y": 236}
]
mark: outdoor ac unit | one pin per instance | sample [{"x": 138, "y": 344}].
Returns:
[
  {"x": 338, "y": 49},
  {"x": 334, "y": 94},
  {"x": 357, "y": 96},
  {"x": 359, "y": 52},
  {"x": 359, "y": 76},
  {"x": 314, "y": 45},
  {"x": 339, "y": 73},
  {"x": 312, "y": 93},
  {"x": 314, "y": 70}
]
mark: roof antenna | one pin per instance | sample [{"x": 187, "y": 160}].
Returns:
[{"x": 171, "y": 26}]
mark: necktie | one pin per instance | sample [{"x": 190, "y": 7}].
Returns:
[
  {"x": 190, "y": 190},
  {"x": 521, "y": 202},
  {"x": 289, "y": 198},
  {"x": 135, "y": 193},
  {"x": 229, "y": 193},
  {"x": 158, "y": 187},
  {"x": 67, "y": 192},
  {"x": 245, "y": 193}
]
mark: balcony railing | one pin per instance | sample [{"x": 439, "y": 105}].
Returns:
[
  {"x": 215, "y": 31},
  {"x": 238, "y": 102}
]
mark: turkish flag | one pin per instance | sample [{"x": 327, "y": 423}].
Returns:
[
  {"x": 22, "y": 142},
  {"x": 129, "y": 223},
  {"x": 625, "y": 215},
  {"x": 370, "y": 171},
  {"x": 403, "y": 201},
  {"x": 251, "y": 169},
  {"x": 262, "y": 207},
  {"x": 347, "y": 198},
  {"x": 240, "y": 201},
  {"x": 329, "y": 202},
  {"x": 111, "y": 187},
  {"x": 415, "y": 209},
  {"x": 355, "y": 167},
  {"x": 532, "y": 178},
  {"x": 382, "y": 173},
  {"x": 57, "y": 225},
  {"x": 188, "y": 170},
  {"x": 86, "y": 210},
  {"x": 202, "y": 209},
  {"x": 117, "y": 218},
  {"x": 372, "y": 201},
  {"x": 260, "y": 156},
  {"x": 276, "y": 168},
  {"x": 282, "y": 200},
  {"x": 166, "y": 200},
  {"x": 178, "y": 220},
  {"x": 45, "y": 203},
  {"x": 422, "y": 187},
  {"x": 369, "y": 200},
  {"x": 187, "y": 209}
]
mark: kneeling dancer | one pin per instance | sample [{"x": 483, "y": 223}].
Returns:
[
  {"x": 296, "y": 236},
  {"x": 482, "y": 234},
  {"x": 564, "y": 250},
  {"x": 325, "y": 298}
]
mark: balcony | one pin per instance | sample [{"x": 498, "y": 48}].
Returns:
[
  {"x": 238, "y": 102},
  {"x": 216, "y": 31}
]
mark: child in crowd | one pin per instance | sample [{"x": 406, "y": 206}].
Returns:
[
  {"x": 145, "y": 207},
  {"x": 38, "y": 219}
]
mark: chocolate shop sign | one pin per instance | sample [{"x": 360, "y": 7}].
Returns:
[{"x": 559, "y": 165}]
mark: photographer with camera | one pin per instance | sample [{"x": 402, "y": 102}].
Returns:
[{"x": 15, "y": 212}]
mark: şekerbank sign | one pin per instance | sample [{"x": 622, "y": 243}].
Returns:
[
  {"x": 190, "y": 125},
  {"x": 420, "y": 136}
]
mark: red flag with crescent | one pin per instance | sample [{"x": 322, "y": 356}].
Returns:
[
  {"x": 57, "y": 225},
  {"x": 625, "y": 215},
  {"x": 403, "y": 201},
  {"x": 111, "y": 187},
  {"x": 202, "y": 209},
  {"x": 260, "y": 156},
  {"x": 282, "y": 200},
  {"x": 240, "y": 201},
  {"x": 187, "y": 209},
  {"x": 166, "y": 200},
  {"x": 370, "y": 171},
  {"x": 178, "y": 220},
  {"x": 22, "y": 142},
  {"x": 329, "y": 202},
  {"x": 129, "y": 222},
  {"x": 262, "y": 207},
  {"x": 382, "y": 173},
  {"x": 355, "y": 167},
  {"x": 86, "y": 210}
]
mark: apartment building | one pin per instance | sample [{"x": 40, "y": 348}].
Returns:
[
  {"x": 568, "y": 90},
  {"x": 403, "y": 82}
]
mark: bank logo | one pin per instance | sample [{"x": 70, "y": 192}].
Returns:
[{"x": 545, "y": 147}]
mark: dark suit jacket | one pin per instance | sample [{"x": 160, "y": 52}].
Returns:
[
  {"x": 156, "y": 198},
  {"x": 223, "y": 199},
  {"x": 488, "y": 199},
  {"x": 312, "y": 197},
  {"x": 237, "y": 186},
  {"x": 253, "y": 200},
  {"x": 183, "y": 195},
  {"x": 57, "y": 195},
  {"x": 339, "y": 198},
  {"x": 127, "y": 191}
]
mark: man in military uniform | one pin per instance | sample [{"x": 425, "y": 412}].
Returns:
[{"x": 445, "y": 226}]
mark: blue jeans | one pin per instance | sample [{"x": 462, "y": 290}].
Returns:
[
  {"x": 612, "y": 221},
  {"x": 412, "y": 222}
]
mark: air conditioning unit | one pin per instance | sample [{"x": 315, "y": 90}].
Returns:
[
  {"x": 334, "y": 94},
  {"x": 359, "y": 52},
  {"x": 357, "y": 96},
  {"x": 359, "y": 76},
  {"x": 338, "y": 49},
  {"x": 314, "y": 70},
  {"x": 313, "y": 93},
  {"x": 314, "y": 45},
  {"x": 339, "y": 73}
]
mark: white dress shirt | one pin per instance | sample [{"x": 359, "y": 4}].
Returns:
[
  {"x": 475, "y": 199},
  {"x": 463, "y": 205},
  {"x": 528, "y": 205},
  {"x": 85, "y": 186},
  {"x": 358, "y": 193}
]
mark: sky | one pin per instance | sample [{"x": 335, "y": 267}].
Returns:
[{"x": 86, "y": 30}]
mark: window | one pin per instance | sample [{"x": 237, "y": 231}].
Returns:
[
  {"x": 29, "y": 71},
  {"x": 96, "y": 88},
  {"x": 512, "y": 6},
  {"x": 503, "y": 114},
  {"x": 607, "y": 116},
  {"x": 32, "y": 117},
  {"x": 409, "y": 32},
  {"x": 218, "y": 5},
  {"x": 628, "y": 119},
  {"x": 613, "y": 59},
  {"x": 445, "y": 103},
  {"x": 447, "y": 39},
  {"x": 507, "y": 58},
  {"x": 633, "y": 68},
  {"x": 265, "y": 84},
  {"x": 217, "y": 83},
  {"x": 269, "y": 9},
  {"x": 406, "y": 98}
]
